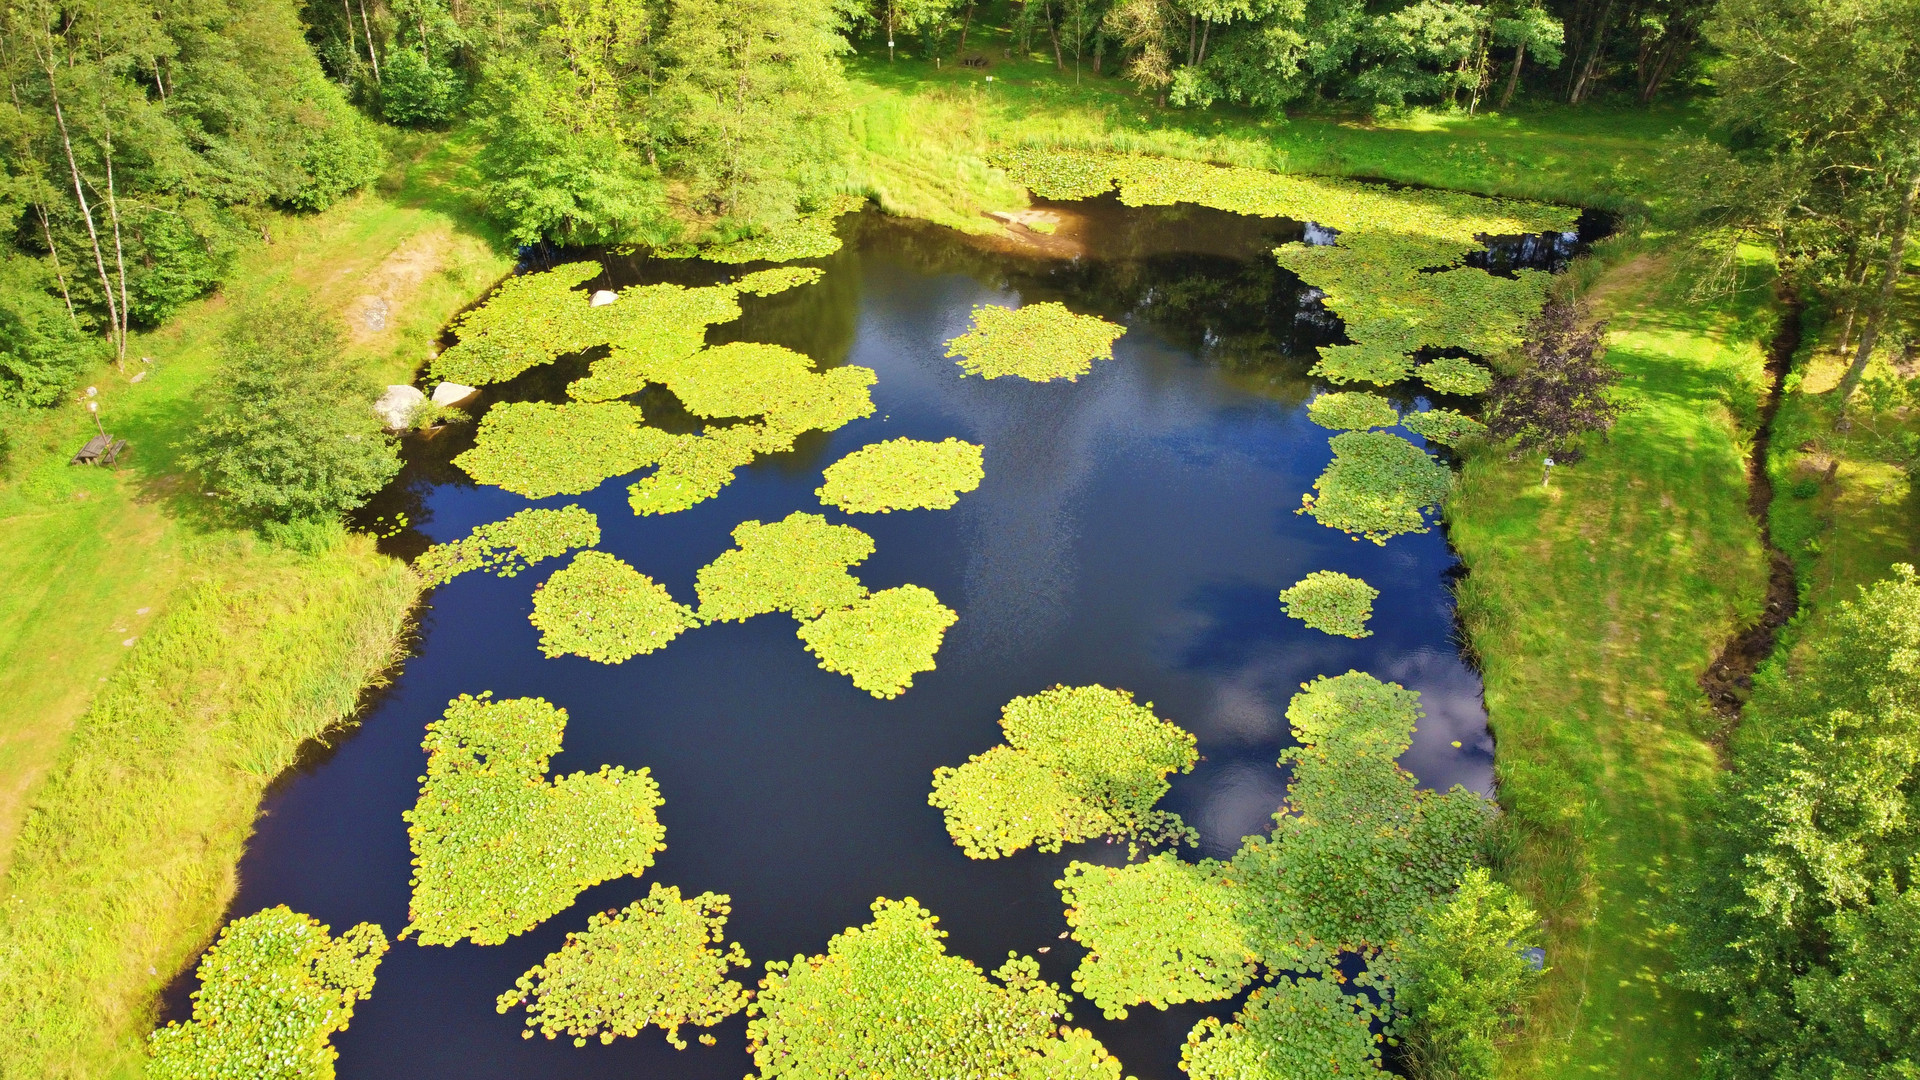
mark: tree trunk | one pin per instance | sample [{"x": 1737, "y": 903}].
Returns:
[
  {"x": 367, "y": 25},
  {"x": 119, "y": 252},
  {"x": 1205, "y": 30},
  {"x": 964, "y": 23},
  {"x": 58, "y": 275},
  {"x": 86, "y": 212},
  {"x": 1099, "y": 47},
  {"x": 1889, "y": 279},
  {"x": 1513, "y": 79},
  {"x": 1596, "y": 43},
  {"x": 889, "y": 33},
  {"x": 1059, "y": 64},
  {"x": 1193, "y": 37}
]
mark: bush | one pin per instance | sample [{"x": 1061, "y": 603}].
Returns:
[
  {"x": 417, "y": 92},
  {"x": 343, "y": 152},
  {"x": 1466, "y": 977},
  {"x": 1560, "y": 392},
  {"x": 291, "y": 433},
  {"x": 41, "y": 351},
  {"x": 172, "y": 265}
]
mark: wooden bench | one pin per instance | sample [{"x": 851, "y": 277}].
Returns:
[{"x": 100, "y": 450}]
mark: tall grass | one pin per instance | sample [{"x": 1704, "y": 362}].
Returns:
[{"x": 125, "y": 864}]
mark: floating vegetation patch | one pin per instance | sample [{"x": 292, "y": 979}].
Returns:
[
  {"x": 882, "y": 641},
  {"x": 886, "y": 1000},
  {"x": 1360, "y": 849},
  {"x": 1395, "y": 277},
  {"x": 778, "y": 279},
  {"x": 273, "y": 990},
  {"x": 797, "y": 565},
  {"x": 1296, "y": 1028},
  {"x": 1332, "y": 603},
  {"x": 528, "y": 321},
  {"x": 1352, "y": 411},
  {"x": 510, "y": 546},
  {"x": 1158, "y": 932},
  {"x": 601, "y": 608},
  {"x": 740, "y": 378},
  {"x": 1453, "y": 375},
  {"x": 658, "y": 962},
  {"x": 497, "y": 848},
  {"x": 695, "y": 467},
  {"x": 1378, "y": 486},
  {"x": 808, "y": 236},
  {"x": 1038, "y": 342},
  {"x": 1079, "y": 762},
  {"x": 649, "y": 328},
  {"x": 535, "y": 449},
  {"x": 902, "y": 474},
  {"x": 1444, "y": 426}
]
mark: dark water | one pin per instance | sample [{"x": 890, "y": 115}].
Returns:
[{"x": 1133, "y": 530}]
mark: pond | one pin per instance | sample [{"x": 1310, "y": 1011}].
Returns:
[{"x": 1133, "y": 530}]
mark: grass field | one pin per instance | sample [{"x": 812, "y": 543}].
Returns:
[
  {"x": 1594, "y": 603},
  {"x": 161, "y": 665}
]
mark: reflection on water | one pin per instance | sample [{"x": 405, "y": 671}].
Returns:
[{"x": 1133, "y": 529}]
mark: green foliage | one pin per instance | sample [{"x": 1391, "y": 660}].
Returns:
[
  {"x": 510, "y": 546},
  {"x": 657, "y": 962},
  {"x": 694, "y": 468},
  {"x": 1352, "y": 411},
  {"x": 1452, "y": 375},
  {"x": 1395, "y": 276},
  {"x": 1378, "y": 486},
  {"x": 42, "y": 352},
  {"x": 1079, "y": 763},
  {"x": 497, "y": 848},
  {"x": 741, "y": 378},
  {"x": 902, "y": 474},
  {"x": 273, "y": 990},
  {"x": 1331, "y": 602},
  {"x": 1444, "y": 426},
  {"x": 290, "y": 432},
  {"x": 537, "y": 449},
  {"x": 1158, "y": 932},
  {"x": 1804, "y": 918},
  {"x": 885, "y": 999},
  {"x": 414, "y": 91},
  {"x": 1464, "y": 979},
  {"x": 882, "y": 640},
  {"x": 601, "y": 608},
  {"x": 1038, "y": 342},
  {"x": 798, "y": 565},
  {"x": 1296, "y": 1029},
  {"x": 1359, "y": 850},
  {"x": 809, "y": 235},
  {"x": 528, "y": 320}
]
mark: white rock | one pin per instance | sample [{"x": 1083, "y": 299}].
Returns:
[
  {"x": 452, "y": 393},
  {"x": 603, "y": 298},
  {"x": 397, "y": 406}
]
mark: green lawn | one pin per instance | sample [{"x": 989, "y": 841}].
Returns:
[
  {"x": 1594, "y": 604},
  {"x": 162, "y": 666}
]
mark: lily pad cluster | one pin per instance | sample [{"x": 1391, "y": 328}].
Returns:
[
  {"x": 1378, "y": 486},
  {"x": 1079, "y": 762},
  {"x": 659, "y": 962},
  {"x": 808, "y": 236},
  {"x": 1444, "y": 426},
  {"x": 800, "y": 566},
  {"x": 601, "y": 608},
  {"x": 653, "y": 334},
  {"x": 903, "y": 474},
  {"x": 886, "y": 999},
  {"x": 1352, "y": 410},
  {"x": 273, "y": 990},
  {"x": 497, "y": 847},
  {"x": 1037, "y": 342},
  {"x": 1454, "y": 375},
  {"x": 510, "y": 546},
  {"x": 1355, "y": 857},
  {"x": 1396, "y": 274},
  {"x": 1331, "y": 602}
]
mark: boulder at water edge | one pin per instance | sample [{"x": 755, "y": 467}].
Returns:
[
  {"x": 452, "y": 393},
  {"x": 603, "y": 298},
  {"x": 397, "y": 406}
]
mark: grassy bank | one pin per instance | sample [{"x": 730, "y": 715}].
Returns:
[
  {"x": 162, "y": 664},
  {"x": 1594, "y": 603}
]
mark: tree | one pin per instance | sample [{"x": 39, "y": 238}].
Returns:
[
  {"x": 1464, "y": 979},
  {"x": 1526, "y": 27},
  {"x": 42, "y": 349},
  {"x": 291, "y": 433},
  {"x": 1560, "y": 391}
]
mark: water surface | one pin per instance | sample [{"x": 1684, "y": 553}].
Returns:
[{"x": 1132, "y": 530}]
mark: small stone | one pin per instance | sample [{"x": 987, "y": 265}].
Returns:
[
  {"x": 397, "y": 406},
  {"x": 603, "y": 298},
  {"x": 143, "y": 611},
  {"x": 129, "y": 642},
  {"x": 138, "y": 375}
]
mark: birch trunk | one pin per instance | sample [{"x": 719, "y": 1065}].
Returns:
[{"x": 1889, "y": 280}]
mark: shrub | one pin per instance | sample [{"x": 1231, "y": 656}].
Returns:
[
  {"x": 1332, "y": 603},
  {"x": 1561, "y": 390},
  {"x": 291, "y": 432},
  {"x": 1464, "y": 978},
  {"x": 41, "y": 351},
  {"x": 273, "y": 990},
  {"x": 343, "y": 152},
  {"x": 416, "y": 92}
]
